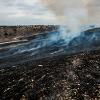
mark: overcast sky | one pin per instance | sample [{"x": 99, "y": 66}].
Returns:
[
  {"x": 20, "y": 12},
  {"x": 28, "y": 12}
]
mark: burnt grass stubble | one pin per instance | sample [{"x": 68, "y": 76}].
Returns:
[{"x": 75, "y": 77}]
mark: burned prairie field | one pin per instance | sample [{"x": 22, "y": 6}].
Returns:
[
  {"x": 51, "y": 66},
  {"x": 75, "y": 77},
  {"x": 50, "y": 50}
]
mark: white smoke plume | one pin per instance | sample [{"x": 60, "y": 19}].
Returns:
[
  {"x": 74, "y": 14},
  {"x": 68, "y": 12}
]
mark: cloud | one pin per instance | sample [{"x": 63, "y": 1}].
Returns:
[
  {"x": 21, "y": 11},
  {"x": 46, "y": 11}
]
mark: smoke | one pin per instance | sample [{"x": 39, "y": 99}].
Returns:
[
  {"x": 75, "y": 13},
  {"x": 49, "y": 45},
  {"x": 71, "y": 13},
  {"x": 93, "y": 9}
]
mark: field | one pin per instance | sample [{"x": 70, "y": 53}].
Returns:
[
  {"x": 74, "y": 77},
  {"x": 54, "y": 76}
]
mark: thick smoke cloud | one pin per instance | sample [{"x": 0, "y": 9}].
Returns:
[
  {"x": 68, "y": 12},
  {"x": 75, "y": 13},
  {"x": 93, "y": 9}
]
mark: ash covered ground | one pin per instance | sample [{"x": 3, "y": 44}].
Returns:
[
  {"x": 45, "y": 69},
  {"x": 75, "y": 77}
]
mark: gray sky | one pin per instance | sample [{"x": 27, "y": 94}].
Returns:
[
  {"x": 26, "y": 12},
  {"x": 19, "y": 12}
]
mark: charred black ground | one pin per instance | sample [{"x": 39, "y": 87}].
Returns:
[
  {"x": 75, "y": 77},
  {"x": 60, "y": 77}
]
